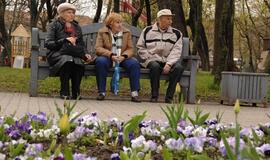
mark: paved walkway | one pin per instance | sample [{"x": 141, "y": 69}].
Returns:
[{"x": 21, "y": 103}]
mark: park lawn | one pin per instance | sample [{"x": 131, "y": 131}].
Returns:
[{"x": 17, "y": 80}]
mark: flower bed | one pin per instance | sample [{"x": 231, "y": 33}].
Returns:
[{"x": 73, "y": 136}]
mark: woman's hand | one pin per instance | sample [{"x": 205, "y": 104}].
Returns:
[
  {"x": 88, "y": 57},
  {"x": 118, "y": 58},
  {"x": 72, "y": 40}
]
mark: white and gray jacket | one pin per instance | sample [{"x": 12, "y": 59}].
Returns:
[{"x": 159, "y": 46}]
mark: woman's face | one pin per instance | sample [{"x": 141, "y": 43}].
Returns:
[
  {"x": 116, "y": 26},
  {"x": 68, "y": 15}
]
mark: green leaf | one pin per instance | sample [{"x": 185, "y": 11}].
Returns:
[
  {"x": 17, "y": 150},
  {"x": 52, "y": 146},
  {"x": 200, "y": 157},
  {"x": 167, "y": 155},
  {"x": 229, "y": 152},
  {"x": 131, "y": 125},
  {"x": 237, "y": 139},
  {"x": 255, "y": 137},
  {"x": 59, "y": 111},
  {"x": 68, "y": 154},
  {"x": 124, "y": 156},
  {"x": 73, "y": 119}
]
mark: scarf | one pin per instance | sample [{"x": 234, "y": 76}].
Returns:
[
  {"x": 70, "y": 29},
  {"x": 117, "y": 43}
]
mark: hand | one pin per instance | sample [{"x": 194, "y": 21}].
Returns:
[
  {"x": 166, "y": 69},
  {"x": 88, "y": 58},
  {"x": 72, "y": 40},
  {"x": 118, "y": 58}
]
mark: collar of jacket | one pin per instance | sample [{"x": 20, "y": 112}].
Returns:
[
  {"x": 155, "y": 28},
  {"x": 105, "y": 29}
]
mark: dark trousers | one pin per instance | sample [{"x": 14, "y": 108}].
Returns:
[
  {"x": 132, "y": 67},
  {"x": 175, "y": 74},
  {"x": 74, "y": 72}
]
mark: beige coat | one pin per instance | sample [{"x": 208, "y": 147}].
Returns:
[
  {"x": 160, "y": 46},
  {"x": 104, "y": 43}
]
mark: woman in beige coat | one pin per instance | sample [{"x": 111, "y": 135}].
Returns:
[{"x": 114, "y": 44}]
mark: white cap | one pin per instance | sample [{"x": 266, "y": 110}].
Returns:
[
  {"x": 164, "y": 12},
  {"x": 65, "y": 6}
]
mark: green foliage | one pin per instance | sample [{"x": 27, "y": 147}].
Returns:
[
  {"x": 16, "y": 150},
  {"x": 174, "y": 115},
  {"x": 131, "y": 126},
  {"x": 134, "y": 156},
  {"x": 199, "y": 118}
]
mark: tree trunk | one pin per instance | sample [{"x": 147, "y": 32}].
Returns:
[
  {"x": 116, "y": 6},
  {"x": 98, "y": 12},
  {"x": 177, "y": 8},
  {"x": 35, "y": 10},
  {"x": 137, "y": 15},
  {"x": 5, "y": 38},
  {"x": 109, "y": 7},
  {"x": 148, "y": 12},
  {"x": 200, "y": 44},
  {"x": 223, "y": 38}
]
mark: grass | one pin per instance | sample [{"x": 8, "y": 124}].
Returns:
[{"x": 17, "y": 80}]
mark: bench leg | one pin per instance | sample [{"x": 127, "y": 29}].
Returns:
[{"x": 33, "y": 84}]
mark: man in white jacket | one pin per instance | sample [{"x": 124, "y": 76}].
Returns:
[{"x": 159, "y": 49}]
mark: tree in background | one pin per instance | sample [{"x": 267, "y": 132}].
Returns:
[
  {"x": 15, "y": 9},
  {"x": 136, "y": 16},
  {"x": 116, "y": 6},
  {"x": 223, "y": 38},
  {"x": 200, "y": 44},
  {"x": 98, "y": 11}
]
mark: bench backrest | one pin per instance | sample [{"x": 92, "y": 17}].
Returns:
[{"x": 89, "y": 36}]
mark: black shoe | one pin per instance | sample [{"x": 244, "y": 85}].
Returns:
[
  {"x": 154, "y": 100},
  {"x": 136, "y": 99},
  {"x": 169, "y": 101},
  {"x": 76, "y": 97},
  {"x": 101, "y": 97},
  {"x": 64, "y": 97}
]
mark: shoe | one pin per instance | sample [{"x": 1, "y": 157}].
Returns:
[
  {"x": 154, "y": 100},
  {"x": 101, "y": 97},
  {"x": 169, "y": 101},
  {"x": 136, "y": 99},
  {"x": 76, "y": 97},
  {"x": 64, "y": 97}
]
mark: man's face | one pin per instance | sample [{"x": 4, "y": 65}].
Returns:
[{"x": 165, "y": 22}]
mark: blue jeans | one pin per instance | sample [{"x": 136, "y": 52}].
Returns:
[{"x": 131, "y": 66}]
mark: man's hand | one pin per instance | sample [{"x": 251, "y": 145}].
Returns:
[
  {"x": 72, "y": 40},
  {"x": 166, "y": 69}
]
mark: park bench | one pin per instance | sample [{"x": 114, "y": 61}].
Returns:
[{"x": 40, "y": 69}]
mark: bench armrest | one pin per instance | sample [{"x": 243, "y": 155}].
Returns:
[{"x": 191, "y": 57}]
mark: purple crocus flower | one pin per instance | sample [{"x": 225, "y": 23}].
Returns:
[
  {"x": 33, "y": 149},
  {"x": 41, "y": 117},
  {"x": 131, "y": 136},
  {"x": 264, "y": 150},
  {"x": 182, "y": 123},
  {"x": 211, "y": 122},
  {"x": 115, "y": 156},
  {"x": 231, "y": 142},
  {"x": 174, "y": 144},
  {"x": 120, "y": 138},
  {"x": 195, "y": 144}
]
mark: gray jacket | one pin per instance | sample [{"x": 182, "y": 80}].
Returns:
[{"x": 160, "y": 46}]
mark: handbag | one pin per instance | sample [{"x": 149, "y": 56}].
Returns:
[{"x": 70, "y": 49}]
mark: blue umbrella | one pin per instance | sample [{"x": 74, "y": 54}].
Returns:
[{"x": 115, "y": 79}]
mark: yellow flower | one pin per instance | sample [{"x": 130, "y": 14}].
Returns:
[
  {"x": 64, "y": 124},
  {"x": 237, "y": 107},
  {"x": 177, "y": 89}
]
